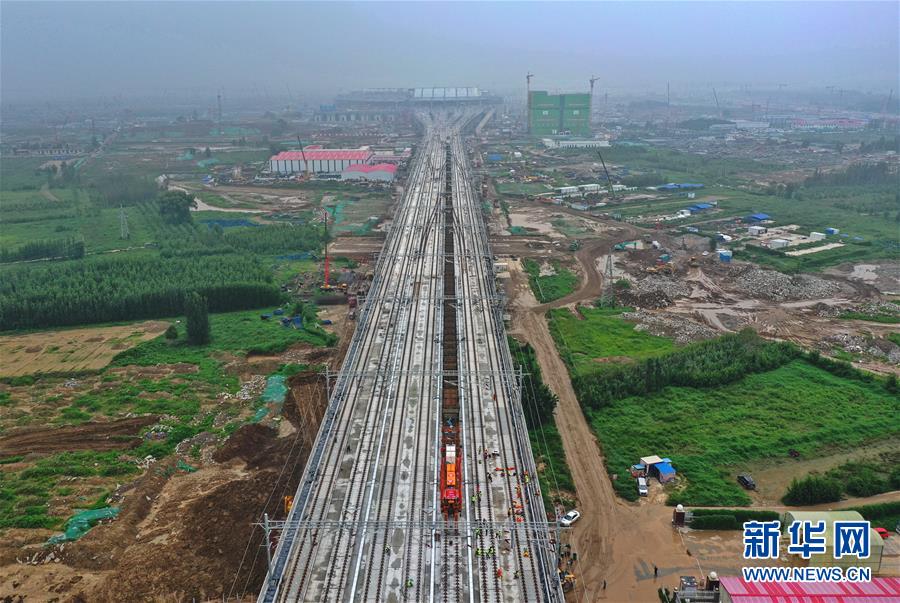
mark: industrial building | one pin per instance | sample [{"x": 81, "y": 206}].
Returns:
[
  {"x": 380, "y": 172},
  {"x": 558, "y": 114},
  {"x": 552, "y": 143},
  {"x": 734, "y": 589},
  {"x": 317, "y": 161}
]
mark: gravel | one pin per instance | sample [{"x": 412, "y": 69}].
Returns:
[
  {"x": 681, "y": 329},
  {"x": 883, "y": 349},
  {"x": 777, "y": 286},
  {"x": 672, "y": 288}
]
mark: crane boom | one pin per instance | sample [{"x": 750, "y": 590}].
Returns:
[{"x": 609, "y": 185}]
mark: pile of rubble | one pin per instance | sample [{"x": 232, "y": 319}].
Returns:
[
  {"x": 250, "y": 389},
  {"x": 653, "y": 292},
  {"x": 671, "y": 287},
  {"x": 777, "y": 286},
  {"x": 883, "y": 349},
  {"x": 678, "y": 328}
]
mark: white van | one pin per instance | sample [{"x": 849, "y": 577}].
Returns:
[{"x": 642, "y": 486}]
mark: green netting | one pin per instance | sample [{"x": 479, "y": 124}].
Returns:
[
  {"x": 276, "y": 389},
  {"x": 81, "y": 522},
  {"x": 260, "y": 415},
  {"x": 208, "y": 162},
  {"x": 185, "y": 467}
]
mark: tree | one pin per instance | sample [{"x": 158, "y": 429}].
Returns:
[
  {"x": 175, "y": 207},
  {"x": 207, "y": 153},
  {"x": 171, "y": 332},
  {"x": 197, "y": 312}
]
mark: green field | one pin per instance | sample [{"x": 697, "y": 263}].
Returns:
[
  {"x": 816, "y": 261},
  {"x": 550, "y": 287},
  {"x": 21, "y": 173},
  {"x": 598, "y": 333},
  {"x": 187, "y": 398},
  {"x": 522, "y": 189},
  {"x": 712, "y": 434}
]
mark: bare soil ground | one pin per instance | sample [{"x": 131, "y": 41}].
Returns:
[
  {"x": 179, "y": 536},
  {"x": 71, "y": 350},
  {"x": 619, "y": 542},
  {"x": 110, "y": 435}
]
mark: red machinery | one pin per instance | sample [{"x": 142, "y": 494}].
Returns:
[{"x": 450, "y": 496}]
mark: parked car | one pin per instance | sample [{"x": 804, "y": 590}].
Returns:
[
  {"x": 883, "y": 532},
  {"x": 569, "y": 518},
  {"x": 746, "y": 481},
  {"x": 642, "y": 486}
]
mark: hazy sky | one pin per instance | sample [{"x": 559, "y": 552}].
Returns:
[{"x": 88, "y": 49}]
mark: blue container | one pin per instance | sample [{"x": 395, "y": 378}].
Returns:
[{"x": 278, "y": 312}]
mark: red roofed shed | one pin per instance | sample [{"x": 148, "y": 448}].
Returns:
[{"x": 880, "y": 590}]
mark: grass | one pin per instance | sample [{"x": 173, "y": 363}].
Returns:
[
  {"x": 815, "y": 261},
  {"x": 710, "y": 432},
  {"x": 181, "y": 399},
  {"x": 601, "y": 333},
  {"x": 522, "y": 189},
  {"x": 551, "y": 287},
  {"x": 557, "y": 485},
  {"x": 19, "y": 173},
  {"x": 889, "y": 319},
  {"x": 78, "y": 218},
  {"x": 236, "y": 332},
  {"x": 25, "y": 495}
]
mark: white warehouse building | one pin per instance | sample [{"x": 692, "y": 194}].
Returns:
[{"x": 330, "y": 161}]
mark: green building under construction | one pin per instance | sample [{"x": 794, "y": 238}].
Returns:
[{"x": 554, "y": 114}]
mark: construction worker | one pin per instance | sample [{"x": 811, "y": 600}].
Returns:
[
  {"x": 409, "y": 583},
  {"x": 500, "y": 572},
  {"x": 387, "y": 549},
  {"x": 491, "y": 551},
  {"x": 517, "y": 574}
]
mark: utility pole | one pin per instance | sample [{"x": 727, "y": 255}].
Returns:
[
  {"x": 718, "y": 109},
  {"x": 528, "y": 77}
]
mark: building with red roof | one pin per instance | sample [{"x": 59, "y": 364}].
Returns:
[
  {"x": 880, "y": 590},
  {"x": 382, "y": 172},
  {"x": 329, "y": 161}
]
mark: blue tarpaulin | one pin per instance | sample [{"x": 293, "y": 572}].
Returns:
[
  {"x": 666, "y": 471},
  {"x": 758, "y": 217}
]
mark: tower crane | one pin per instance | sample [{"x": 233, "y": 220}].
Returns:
[{"x": 593, "y": 79}]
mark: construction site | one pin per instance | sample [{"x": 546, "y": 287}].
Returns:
[{"x": 426, "y": 315}]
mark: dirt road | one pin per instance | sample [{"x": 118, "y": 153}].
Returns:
[{"x": 639, "y": 534}]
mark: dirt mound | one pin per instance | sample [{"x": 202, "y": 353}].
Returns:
[
  {"x": 111, "y": 435},
  {"x": 247, "y": 443},
  {"x": 183, "y": 536}
]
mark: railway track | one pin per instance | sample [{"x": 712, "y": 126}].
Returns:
[{"x": 367, "y": 522}]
